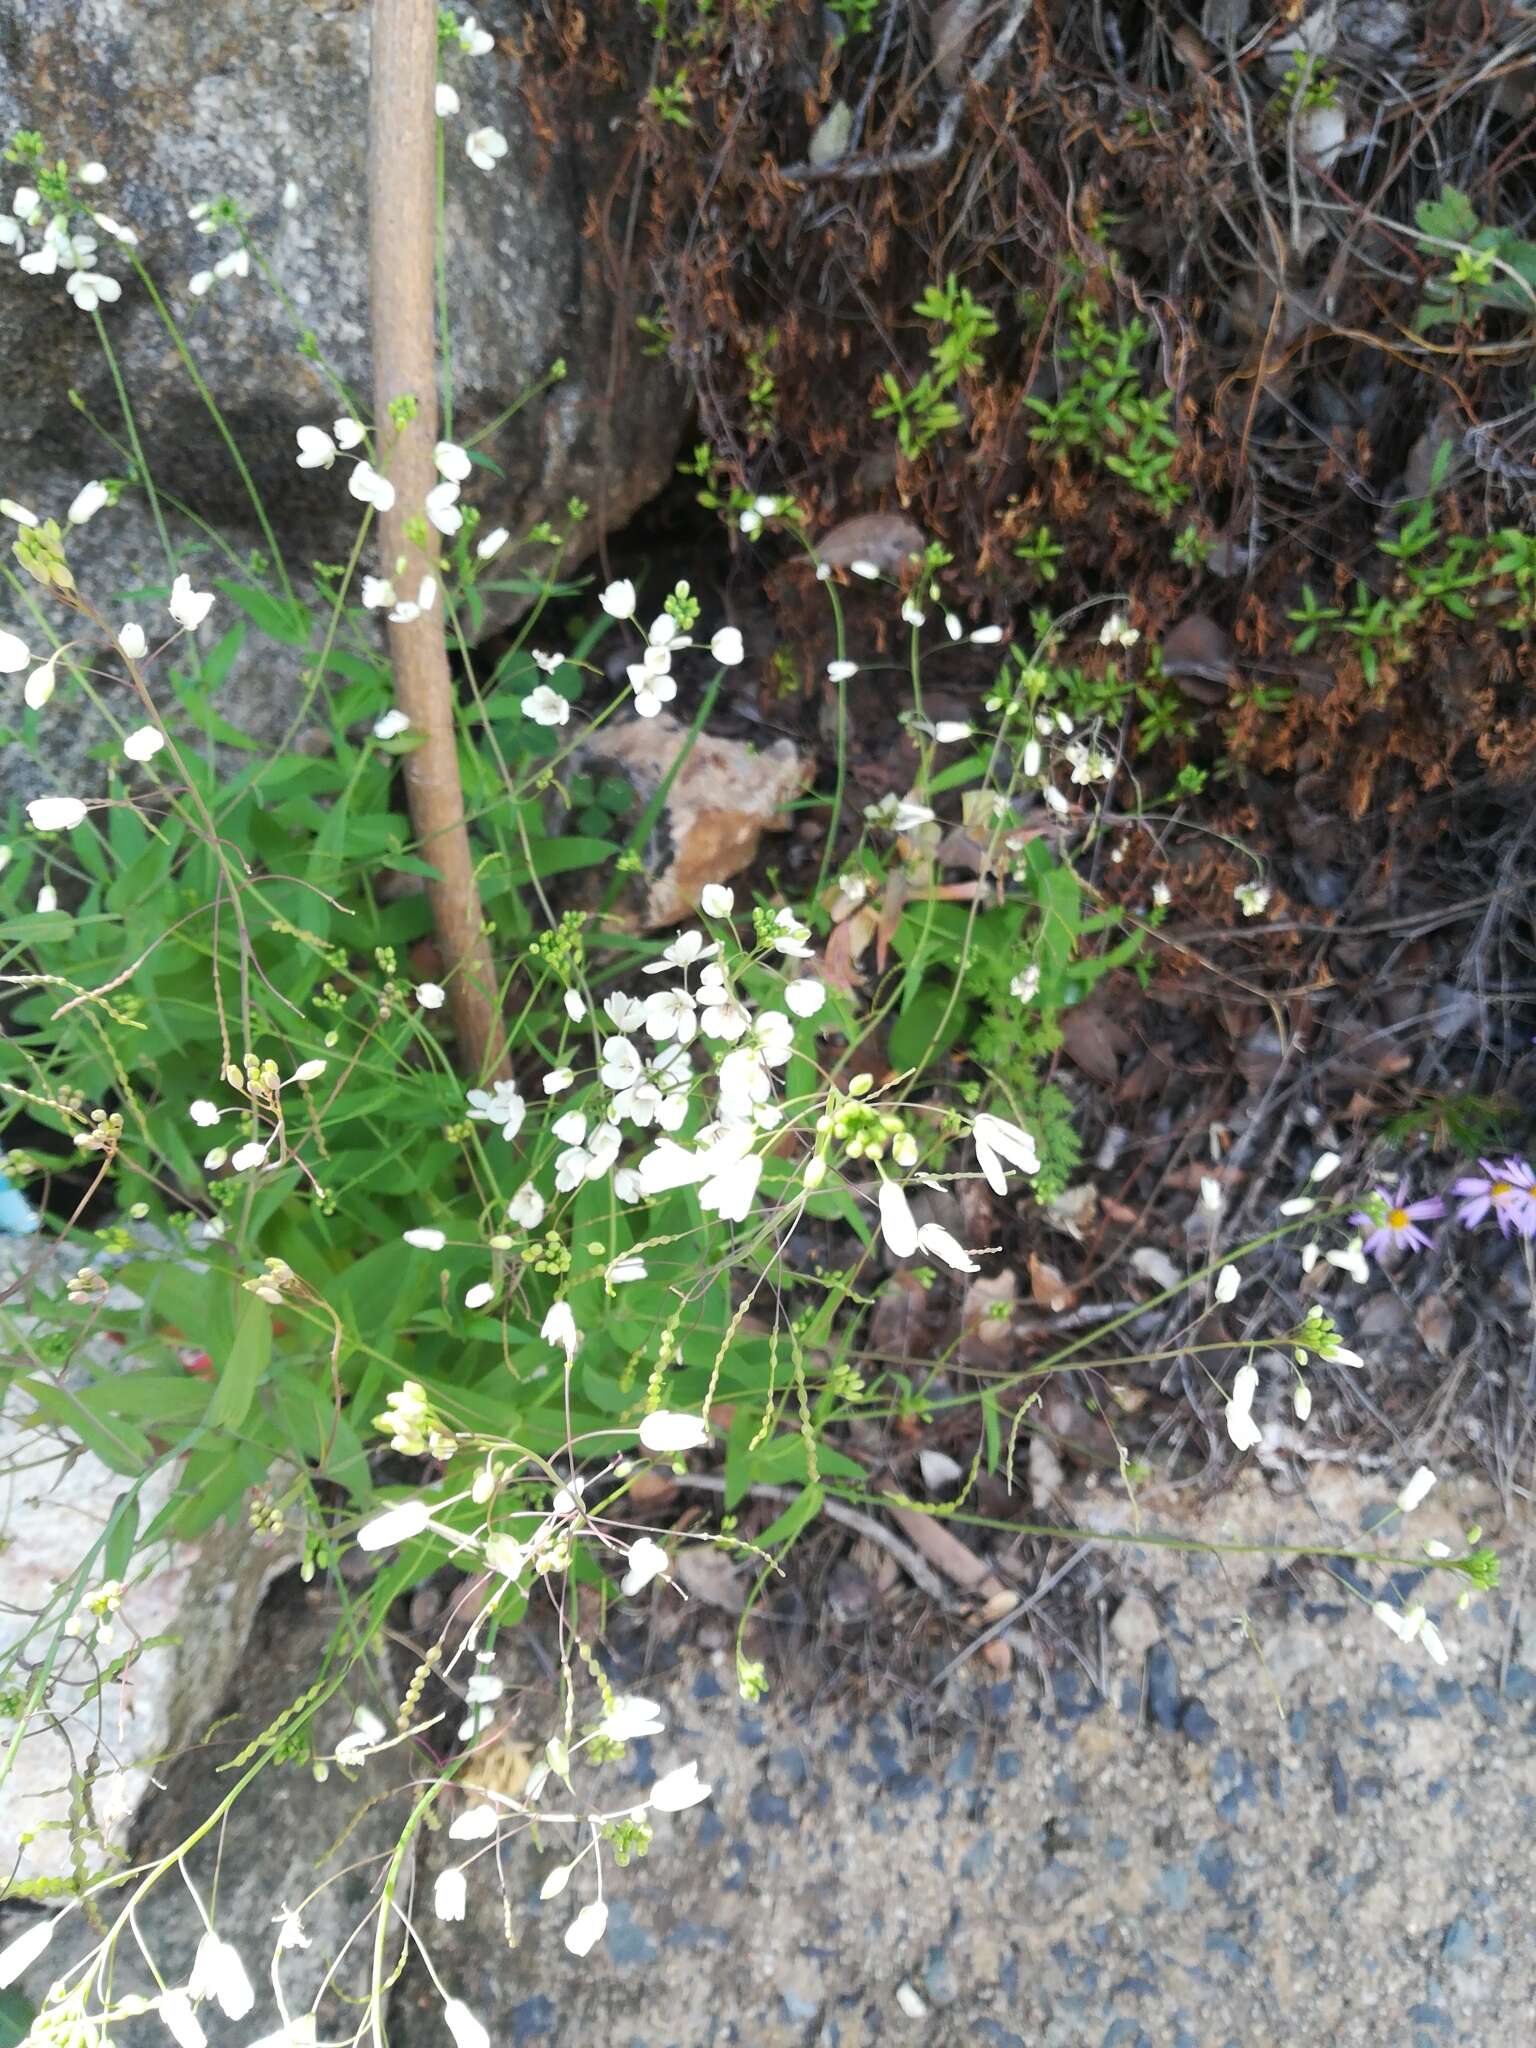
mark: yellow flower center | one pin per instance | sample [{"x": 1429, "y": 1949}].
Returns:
[
  {"x": 1496, "y": 1188},
  {"x": 1397, "y": 1219}
]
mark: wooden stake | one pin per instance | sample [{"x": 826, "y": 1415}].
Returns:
[{"x": 402, "y": 176}]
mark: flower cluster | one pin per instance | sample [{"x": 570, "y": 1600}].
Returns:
[
  {"x": 650, "y": 677},
  {"x": 61, "y": 224}
]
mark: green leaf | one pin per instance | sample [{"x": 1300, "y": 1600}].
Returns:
[
  {"x": 281, "y": 619},
  {"x": 804, "y": 1508},
  {"x": 244, "y": 1367}
]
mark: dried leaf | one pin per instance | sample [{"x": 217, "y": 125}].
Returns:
[
  {"x": 1434, "y": 1322},
  {"x": 1049, "y": 1290},
  {"x": 830, "y": 140},
  {"x": 1156, "y": 1266},
  {"x": 1091, "y": 1041},
  {"x": 708, "y": 1574},
  {"x": 1074, "y": 1210},
  {"x": 884, "y": 538}
]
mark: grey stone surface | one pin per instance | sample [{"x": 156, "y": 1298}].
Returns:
[
  {"x": 1325, "y": 1840},
  {"x": 1319, "y": 1837},
  {"x": 184, "y": 103}
]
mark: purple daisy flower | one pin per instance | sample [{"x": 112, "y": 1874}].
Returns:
[
  {"x": 1395, "y": 1223},
  {"x": 1506, "y": 1190}
]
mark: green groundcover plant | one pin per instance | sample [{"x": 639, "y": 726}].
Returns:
[{"x": 336, "y": 1289}]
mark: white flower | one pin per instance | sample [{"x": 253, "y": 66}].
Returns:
[
  {"x": 575, "y": 1005},
  {"x": 558, "y": 1079},
  {"x": 1116, "y": 633},
  {"x": 647, "y": 1561},
  {"x": 480, "y": 1295},
  {"x": 378, "y": 593},
  {"x": 502, "y": 1105},
  {"x": 200, "y": 283},
  {"x": 1241, "y": 1427},
  {"x": 291, "y": 196},
  {"x": 390, "y": 724},
  {"x": 466, "y": 2030},
  {"x": 316, "y": 448},
  {"x": 9, "y": 509},
  {"x": 452, "y": 461},
  {"x": 897, "y": 1223},
  {"x": 623, "y": 1271},
  {"x": 180, "y": 2021},
  {"x": 14, "y": 653},
  {"x": 868, "y": 570},
  {"x": 546, "y": 706},
  {"x": 1416, "y": 1491},
  {"x": 526, "y": 1207},
  {"x": 92, "y": 174},
  {"x": 1055, "y": 800},
  {"x": 936, "y": 1240},
  {"x": 492, "y": 543},
  {"x": 806, "y": 997},
  {"x": 478, "y": 1825},
  {"x": 986, "y": 636},
  {"x": 950, "y": 730},
  {"x": 630, "y": 1717},
  {"x": 89, "y": 289},
  {"x": 88, "y": 501},
  {"x": 366, "y": 484},
  {"x": 425, "y": 1238},
  {"x": 953, "y": 627},
  {"x": 1162, "y": 895},
  {"x": 841, "y": 671},
  {"x": 1325, "y": 1164},
  {"x": 789, "y": 936},
  {"x": 485, "y": 148},
  {"x": 443, "y": 509},
  {"x": 18, "y": 1956},
  {"x": 733, "y": 1175},
  {"x": 1301, "y": 1400},
  {"x": 218, "y": 1973},
  {"x": 665, "y": 1432},
  {"x": 618, "y": 600},
  {"x": 557, "y": 1880},
  {"x": 722, "y": 1016},
  {"x": 56, "y": 813},
  {"x": 472, "y": 39},
  {"x": 1228, "y": 1280},
  {"x": 349, "y": 433},
  {"x": 39, "y": 685},
  {"x": 445, "y": 100},
  {"x": 679, "y": 1790},
  {"x": 1000, "y": 1144},
  {"x": 132, "y": 643},
  {"x": 144, "y": 743},
  {"x": 586, "y": 1930},
  {"x": 651, "y": 691},
  {"x": 726, "y": 647},
  {"x": 249, "y": 1156},
  {"x": 559, "y": 1328},
  {"x": 189, "y": 607},
  {"x": 203, "y": 1112},
  {"x": 236, "y": 264},
  {"x": 47, "y": 899},
  {"x": 1252, "y": 898},
  {"x": 395, "y": 1525},
  {"x": 671, "y": 1013},
  {"x": 449, "y": 1894},
  {"x": 1352, "y": 1261},
  {"x": 715, "y": 900},
  {"x": 431, "y": 995},
  {"x": 1210, "y": 1194},
  {"x": 1025, "y": 985}
]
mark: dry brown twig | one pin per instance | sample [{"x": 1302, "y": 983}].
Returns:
[{"x": 401, "y": 213}]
